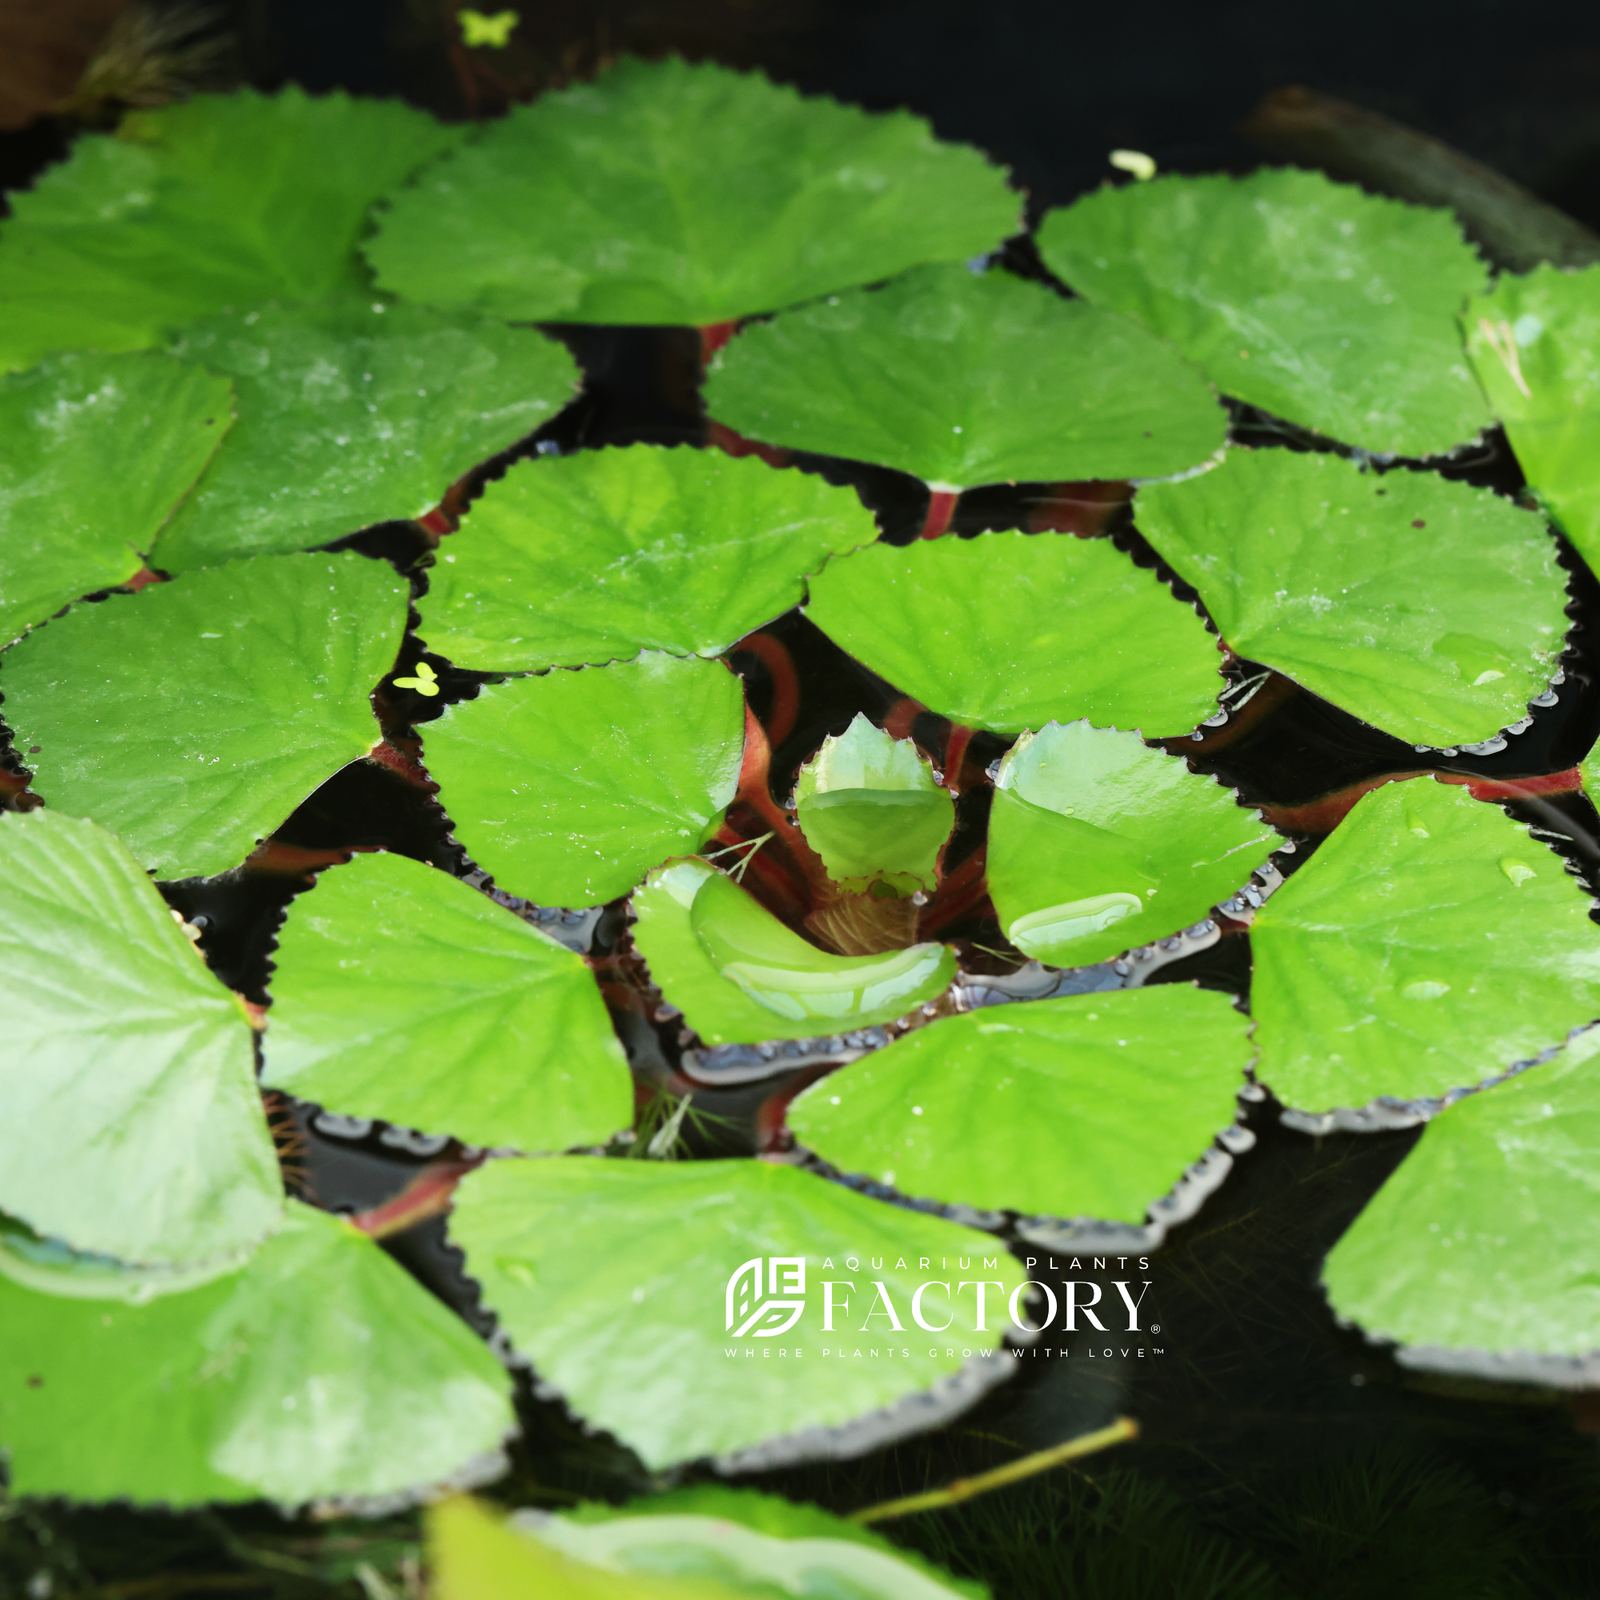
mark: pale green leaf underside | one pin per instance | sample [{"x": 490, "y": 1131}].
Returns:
[
  {"x": 1430, "y": 609},
  {"x": 1429, "y": 944},
  {"x": 194, "y": 716},
  {"x": 130, "y": 1125},
  {"x": 1329, "y": 307},
  {"x": 1097, "y": 843},
  {"x": 353, "y": 413},
  {"x": 1009, "y": 630},
  {"x": 319, "y": 1369},
  {"x": 95, "y": 452},
  {"x": 569, "y": 787},
  {"x": 596, "y": 556},
  {"x": 559, "y": 1245},
  {"x": 964, "y": 379},
  {"x": 402, "y": 993},
  {"x": 1087, "y": 1106},
  {"x": 225, "y": 200},
  {"x": 674, "y": 193}
]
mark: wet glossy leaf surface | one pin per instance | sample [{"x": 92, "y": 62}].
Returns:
[
  {"x": 1430, "y": 609},
  {"x": 1429, "y": 944},
  {"x": 558, "y": 1245},
  {"x": 194, "y": 716},
  {"x": 131, "y": 1123},
  {"x": 596, "y": 556},
  {"x": 402, "y": 993},
  {"x": 1320, "y": 304},
  {"x": 571, "y": 786}
]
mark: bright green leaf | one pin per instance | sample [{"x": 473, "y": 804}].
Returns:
[
  {"x": 1317, "y": 302},
  {"x": 1430, "y": 609},
  {"x": 665, "y": 192},
  {"x": 1429, "y": 944},
  {"x": 1097, "y": 843},
  {"x": 624, "y": 1283},
  {"x": 598, "y": 555},
  {"x": 319, "y": 1369},
  {"x": 194, "y": 716},
  {"x": 402, "y": 993},
  {"x": 354, "y": 413},
  {"x": 1010, "y": 630},
  {"x": 571, "y": 786},
  {"x": 965, "y": 378},
  {"x": 131, "y": 1123}
]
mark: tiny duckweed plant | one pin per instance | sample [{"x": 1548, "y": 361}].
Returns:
[{"x": 788, "y": 888}]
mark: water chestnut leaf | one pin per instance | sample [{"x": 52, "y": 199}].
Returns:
[
  {"x": 569, "y": 787},
  {"x": 318, "y": 1369},
  {"x": 1429, "y": 944},
  {"x": 1430, "y": 609},
  {"x": 222, "y": 200},
  {"x": 1322, "y": 304},
  {"x": 967, "y": 378},
  {"x": 131, "y": 1123},
  {"x": 1097, "y": 843},
  {"x": 596, "y": 556},
  {"x": 671, "y": 192},
  {"x": 194, "y": 716},
  {"x": 623, "y": 1284},
  {"x": 1091, "y": 1105},
  {"x": 1009, "y": 630},
  {"x": 352, "y": 413}
]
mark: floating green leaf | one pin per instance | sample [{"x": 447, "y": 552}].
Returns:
[
  {"x": 404, "y": 994},
  {"x": 665, "y": 192},
  {"x": 1087, "y": 1106},
  {"x": 319, "y": 1369},
  {"x": 352, "y": 413},
  {"x": 1324, "y": 305},
  {"x": 737, "y": 973},
  {"x": 571, "y": 786},
  {"x": 1097, "y": 842},
  {"x": 598, "y": 555},
  {"x": 223, "y": 201},
  {"x": 194, "y": 716},
  {"x": 869, "y": 805},
  {"x": 1010, "y": 630},
  {"x": 1535, "y": 346},
  {"x": 131, "y": 1123},
  {"x": 627, "y": 1284},
  {"x": 95, "y": 451},
  {"x": 1430, "y": 609},
  {"x": 965, "y": 378},
  {"x": 1429, "y": 944}
]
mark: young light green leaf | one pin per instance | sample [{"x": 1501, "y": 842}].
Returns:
[
  {"x": 571, "y": 786},
  {"x": 1535, "y": 346},
  {"x": 352, "y": 413},
  {"x": 319, "y": 1369},
  {"x": 870, "y": 806},
  {"x": 1097, "y": 842},
  {"x": 1430, "y": 609},
  {"x": 194, "y": 716},
  {"x": 1087, "y": 1106},
  {"x": 1429, "y": 944},
  {"x": 402, "y": 993},
  {"x": 965, "y": 378},
  {"x": 95, "y": 451},
  {"x": 1010, "y": 630},
  {"x": 130, "y": 1125},
  {"x": 595, "y": 556},
  {"x": 670, "y": 192},
  {"x": 224, "y": 200},
  {"x": 625, "y": 1282},
  {"x": 1317, "y": 302}
]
